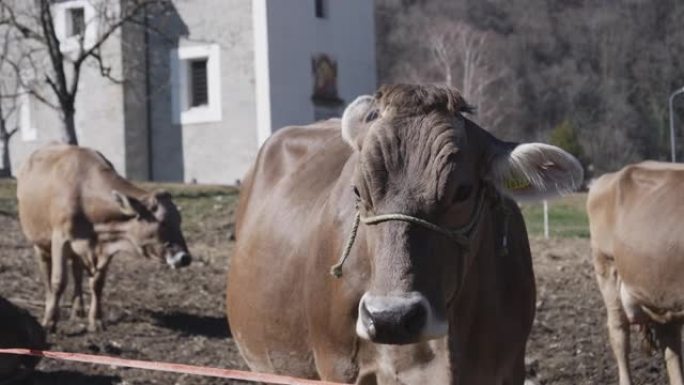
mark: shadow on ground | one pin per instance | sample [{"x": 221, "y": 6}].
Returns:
[
  {"x": 192, "y": 324},
  {"x": 63, "y": 377}
]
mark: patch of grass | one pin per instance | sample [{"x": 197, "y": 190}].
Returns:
[
  {"x": 205, "y": 208},
  {"x": 8, "y": 197},
  {"x": 567, "y": 217}
]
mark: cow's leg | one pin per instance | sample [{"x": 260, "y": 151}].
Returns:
[
  {"x": 670, "y": 339},
  {"x": 58, "y": 281},
  {"x": 43, "y": 261},
  {"x": 618, "y": 325},
  {"x": 96, "y": 286},
  {"x": 77, "y": 310}
]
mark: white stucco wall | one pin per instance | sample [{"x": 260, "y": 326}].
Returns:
[
  {"x": 99, "y": 107},
  {"x": 218, "y": 151},
  {"x": 294, "y": 35}
]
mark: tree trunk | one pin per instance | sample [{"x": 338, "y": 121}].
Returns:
[
  {"x": 68, "y": 115},
  {"x": 5, "y": 161}
]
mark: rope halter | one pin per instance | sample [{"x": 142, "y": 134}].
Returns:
[{"x": 460, "y": 235}]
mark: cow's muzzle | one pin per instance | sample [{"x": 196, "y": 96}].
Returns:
[
  {"x": 401, "y": 319},
  {"x": 178, "y": 259}
]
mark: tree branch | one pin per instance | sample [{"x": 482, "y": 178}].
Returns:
[
  {"x": 55, "y": 54},
  {"x": 12, "y": 20},
  {"x": 105, "y": 71}
]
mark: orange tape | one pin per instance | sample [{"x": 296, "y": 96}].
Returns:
[{"x": 169, "y": 367}]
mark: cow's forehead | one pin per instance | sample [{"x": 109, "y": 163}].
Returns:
[
  {"x": 419, "y": 157},
  {"x": 396, "y": 142}
]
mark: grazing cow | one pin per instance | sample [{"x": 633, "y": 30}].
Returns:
[
  {"x": 637, "y": 246},
  {"x": 74, "y": 206},
  {"x": 409, "y": 191},
  {"x": 19, "y": 330}
]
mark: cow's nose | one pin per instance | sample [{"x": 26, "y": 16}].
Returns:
[
  {"x": 185, "y": 260},
  {"x": 392, "y": 319},
  {"x": 179, "y": 259}
]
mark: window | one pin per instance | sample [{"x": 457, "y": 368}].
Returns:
[
  {"x": 196, "y": 84},
  {"x": 75, "y": 21},
  {"x": 199, "y": 92},
  {"x": 321, "y": 8}
]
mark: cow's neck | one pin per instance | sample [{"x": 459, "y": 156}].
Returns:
[
  {"x": 469, "y": 312},
  {"x": 113, "y": 237}
]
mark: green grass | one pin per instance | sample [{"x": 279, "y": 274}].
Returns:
[
  {"x": 8, "y": 197},
  {"x": 567, "y": 217},
  {"x": 202, "y": 206}
]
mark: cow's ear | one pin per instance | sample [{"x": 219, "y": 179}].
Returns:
[
  {"x": 129, "y": 206},
  {"x": 355, "y": 120},
  {"x": 532, "y": 171}
]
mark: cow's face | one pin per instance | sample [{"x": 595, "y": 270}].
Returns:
[
  {"x": 418, "y": 156},
  {"x": 154, "y": 227}
]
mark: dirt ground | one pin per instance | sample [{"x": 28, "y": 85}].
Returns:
[{"x": 155, "y": 313}]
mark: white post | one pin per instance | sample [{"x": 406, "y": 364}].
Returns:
[
  {"x": 546, "y": 219},
  {"x": 672, "y": 129}
]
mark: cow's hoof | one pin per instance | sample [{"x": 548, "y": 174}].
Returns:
[{"x": 97, "y": 326}]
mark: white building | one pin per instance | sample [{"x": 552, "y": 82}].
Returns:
[{"x": 211, "y": 84}]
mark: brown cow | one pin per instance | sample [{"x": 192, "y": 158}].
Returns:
[
  {"x": 74, "y": 206},
  {"x": 635, "y": 219},
  {"x": 439, "y": 251}
]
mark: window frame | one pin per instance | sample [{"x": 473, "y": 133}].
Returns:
[
  {"x": 182, "y": 110},
  {"x": 69, "y": 12},
  {"x": 61, "y": 13}
]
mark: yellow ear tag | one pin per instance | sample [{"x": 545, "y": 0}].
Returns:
[{"x": 516, "y": 184}]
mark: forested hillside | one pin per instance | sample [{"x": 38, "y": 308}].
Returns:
[{"x": 591, "y": 76}]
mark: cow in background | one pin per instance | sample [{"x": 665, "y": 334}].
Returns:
[
  {"x": 74, "y": 207},
  {"x": 637, "y": 244}
]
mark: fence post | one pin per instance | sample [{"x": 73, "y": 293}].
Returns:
[{"x": 546, "y": 219}]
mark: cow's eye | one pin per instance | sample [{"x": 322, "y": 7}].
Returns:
[
  {"x": 372, "y": 116},
  {"x": 462, "y": 193},
  {"x": 356, "y": 192}
]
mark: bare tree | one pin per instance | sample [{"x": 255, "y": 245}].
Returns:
[
  {"x": 50, "y": 69},
  {"x": 6, "y": 133},
  {"x": 9, "y": 104},
  {"x": 463, "y": 57}
]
